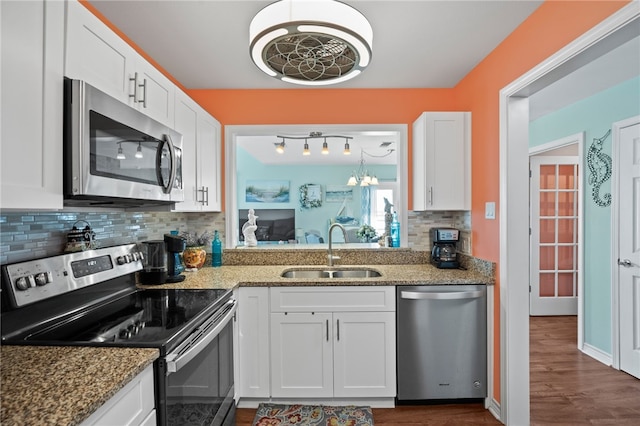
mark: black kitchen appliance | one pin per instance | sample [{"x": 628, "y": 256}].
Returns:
[
  {"x": 90, "y": 298},
  {"x": 443, "y": 253},
  {"x": 161, "y": 260}
]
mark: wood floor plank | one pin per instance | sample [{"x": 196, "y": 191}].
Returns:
[{"x": 568, "y": 388}]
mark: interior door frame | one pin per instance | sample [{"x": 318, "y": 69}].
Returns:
[
  {"x": 514, "y": 181},
  {"x": 578, "y": 139},
  {"x": 615, "y": 248}
]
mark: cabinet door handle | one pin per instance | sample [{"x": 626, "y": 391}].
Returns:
[
  {"x": 206, "y": 191},
  {"x": 135, "y": 87},
  {"x": 144, "y": 93},
  {"x": 338, "y": 329},
  {"x": 327, "y": 330},
  {"x": 431, "y": 195}
]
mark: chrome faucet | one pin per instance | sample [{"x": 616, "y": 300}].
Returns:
[{"x": 330, "y": 256}]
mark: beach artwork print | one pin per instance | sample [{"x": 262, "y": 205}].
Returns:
[
  {"x": 267, "y": 191},
  {"x": 338, "y": 193}
]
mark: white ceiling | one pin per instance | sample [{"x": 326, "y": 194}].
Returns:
[{"x": 417, "y": 44}]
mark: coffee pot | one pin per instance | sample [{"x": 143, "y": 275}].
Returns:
[
  {"x": 443, "y": 253},
  {"x": 161, "y": 260}
]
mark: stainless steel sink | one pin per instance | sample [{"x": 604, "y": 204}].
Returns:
[{"x": 331, "y": 273}]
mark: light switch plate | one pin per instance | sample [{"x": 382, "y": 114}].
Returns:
[{"x": 490, "y": 210}]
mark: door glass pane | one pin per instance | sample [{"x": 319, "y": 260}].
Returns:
[
  {"x": 547, "y": 285},
  {"x": 565, "y": 284},
  {"x": 566, "y": 203},
  {"x": 566, "y": 258},
  {"x": 547, "y": 204},
  {"x": 547, "y": 176},
  {"x": 566, "y": 176},
  {"x": 547, "y": 258},
  {"x": 547, "y": 230},
  {"x": 566, "y": 230}
]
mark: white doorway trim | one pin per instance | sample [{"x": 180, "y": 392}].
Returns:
[
  {"x": 615, "y": 244},
  {"x": 514, "y": 216},
  {"x": 578, "y": 139}
]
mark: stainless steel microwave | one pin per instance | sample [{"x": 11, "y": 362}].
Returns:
[{"x": 115, "y": 156}]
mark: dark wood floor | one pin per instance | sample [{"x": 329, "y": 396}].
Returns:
[
  {"x": 571, "y": 388},
  {"x": 567, "y": 388}
]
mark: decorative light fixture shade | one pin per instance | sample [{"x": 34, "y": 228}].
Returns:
[
  {"x": 311, "y": 42},
  {"x": 305, "y": 150},
  {"x": 139, "y": 151}
]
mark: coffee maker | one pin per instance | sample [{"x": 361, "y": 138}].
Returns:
[
  {"x": 162, "y": 262},
  {"x": 443, "y": 253}
]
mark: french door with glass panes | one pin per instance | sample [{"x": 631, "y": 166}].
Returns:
[{"x": 554, "y": 235}]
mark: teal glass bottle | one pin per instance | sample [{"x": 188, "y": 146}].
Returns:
[{"x": 216, "y": 251}]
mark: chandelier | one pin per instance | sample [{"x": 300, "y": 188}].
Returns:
[
  {"x": 361, "y": 176},
  {"x": 281, "y": 146},
  {"x": 310, "y": 42}
]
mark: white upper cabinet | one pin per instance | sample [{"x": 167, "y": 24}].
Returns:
[
  {"x": 97, "y": 55},
  {"x": 442, "y": 161},
  {"x": 32, "y": 34},
  {"x": 201, "y": 156}
]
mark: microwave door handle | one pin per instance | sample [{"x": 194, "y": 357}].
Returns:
[{"x": 174, "y": 165}]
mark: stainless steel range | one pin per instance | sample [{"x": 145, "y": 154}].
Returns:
[{"x": 90, "y": 299}]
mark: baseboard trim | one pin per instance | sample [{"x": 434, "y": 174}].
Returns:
[
  {"x": 597, "y": 354},
  {"x": 494, "y": 408},
  {"x": 371, "y": 402}
]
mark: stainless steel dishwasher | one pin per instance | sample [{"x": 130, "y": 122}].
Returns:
[{"x": 441, "y": 342}]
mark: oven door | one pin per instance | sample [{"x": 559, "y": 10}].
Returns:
[{"x": 195, "y": 381}]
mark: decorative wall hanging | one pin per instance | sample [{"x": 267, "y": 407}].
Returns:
[
  {"x": 310, "y": 196},
  {"x": 338, "y": 193},
  {"x": 267, "y": 191},
  {"x": 599, "y": 165}
]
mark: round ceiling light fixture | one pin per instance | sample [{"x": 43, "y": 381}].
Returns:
[{"x": 310, "y": 42}]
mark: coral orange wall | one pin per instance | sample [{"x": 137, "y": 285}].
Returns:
[{"x": 552, "y": 26}]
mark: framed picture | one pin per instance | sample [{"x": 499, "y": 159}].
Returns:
[
  {"x": 267, "y": 191},
  {"x": 310, "y": 196},
  {"x": 338, "y": 193}
]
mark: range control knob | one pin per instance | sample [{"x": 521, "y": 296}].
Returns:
[
  {"x": 124, "y": 334},
  {"x": 121, "y": 260},
  {"x": 22, "y": 283},
  {"x": 41, "y": 278}
]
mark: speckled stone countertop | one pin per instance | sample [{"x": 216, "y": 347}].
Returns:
[
  {"x": 270, "y": 276},
  {"x": 53, "y": 385}
]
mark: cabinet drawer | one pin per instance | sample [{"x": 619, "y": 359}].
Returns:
[{"x": 333, "y": 299}]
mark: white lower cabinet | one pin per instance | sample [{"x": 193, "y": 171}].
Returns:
[
  {"x": 333, "y": 342},
  {"x": 132, "y": 405},
  {"x": 325, "y": 355},
  {"x": 253, "y": 376}
]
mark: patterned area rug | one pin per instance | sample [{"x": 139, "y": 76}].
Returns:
[{"x": 312, "y": 415}]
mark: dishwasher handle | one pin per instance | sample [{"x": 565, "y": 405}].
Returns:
[{"x": 448, "y": 295}]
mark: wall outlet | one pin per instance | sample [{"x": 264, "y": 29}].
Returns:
[{"x": 490, "y": 210}]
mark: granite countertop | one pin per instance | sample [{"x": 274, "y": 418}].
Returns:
[
  {"x": 54, "y": 385},
  {"x": 270, "y": 276}
]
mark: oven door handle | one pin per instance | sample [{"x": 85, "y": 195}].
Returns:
[{"x": 178, "y": 359}]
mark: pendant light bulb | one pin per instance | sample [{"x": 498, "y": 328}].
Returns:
[
  {"x": 306, "y": 151},
  {"x": 280, "y": 147},
  {"x": 139, "y": 151},
  {"x": 325, "y": 147},
  {"x": 120, "y": 155},
  {"x": 347, "y": 148}
]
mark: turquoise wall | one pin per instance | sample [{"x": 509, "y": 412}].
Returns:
[
  {"x": 594, "y": 116},
  {"x": 248, "y": 168}
]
